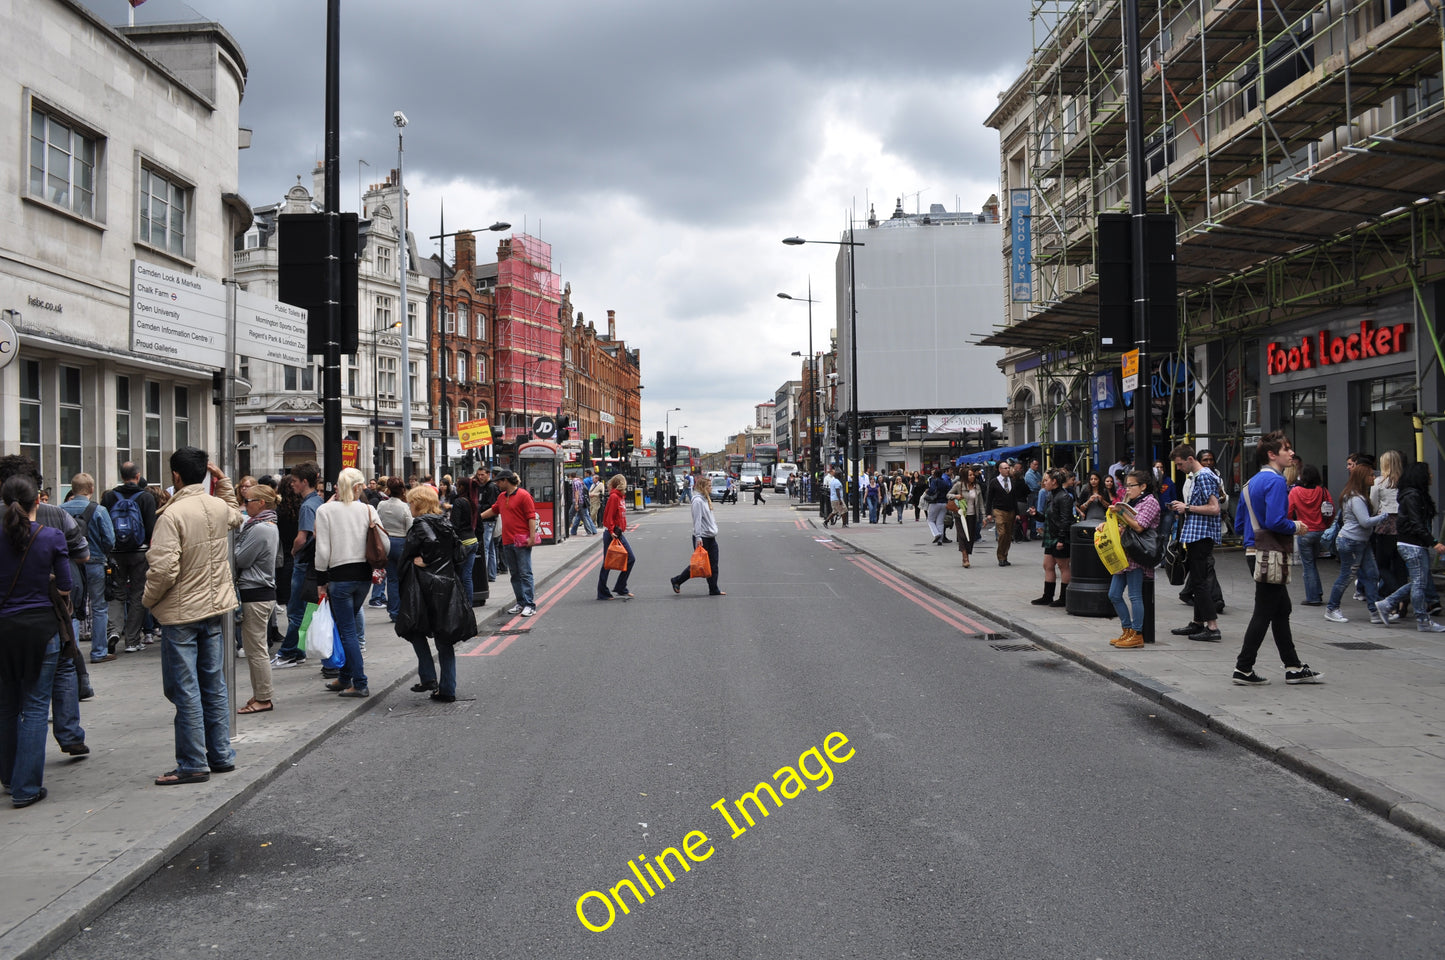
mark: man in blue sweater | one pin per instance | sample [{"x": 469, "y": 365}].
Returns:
[{"x": 1268, "y": 494}]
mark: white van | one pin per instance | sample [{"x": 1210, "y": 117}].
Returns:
[
  {"x": 781, "y": 474},
  {"x": 751, "y": 475}
]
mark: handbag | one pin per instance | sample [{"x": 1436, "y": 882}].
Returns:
[
  {"x": 378, "y": 545},
  {"x": 700, "y": 565},
  {"x": 1328, "y": 538},
  {"x": 952, "y": 506},
  {"x": 616, "y": 556},
  {"x": 1270, "y": 565},
  {"x": 1141, "y": 546},
  {"x": 1175, "y": 560}
]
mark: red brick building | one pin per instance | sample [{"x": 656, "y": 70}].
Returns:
[
  {"x": 461, "y": 312},
  {"x": 600, "y": 379}
]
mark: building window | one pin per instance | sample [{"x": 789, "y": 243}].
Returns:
[
  {"x": 383, "y": 313},
  {"x": 383, "y": 261},
  {"x": 183, "y": 417},
  {"x": 411, "y": 380},
  {"x": 62, "y": 163},
  {"x": 411, "y": 318},
  {"x": 462, "y": 414},
  {"x": 300, "y": 378},
  {"x": 163, "y": 209},
  {"x": 464, "y": 321},
  {"x": 481, "y": 369},
  {"x": 353, "y": 386},
  {"x": 449, "y": 318},
  {"x": 243, "y": 367},
  {"x": 386, "y": 378},
  {"x": 70, "y": 421},
  {"x": 122, "y": 420},
  {"x": 567, "y": 387},
  {"x": 567, "y": 352},
  {"x": 243, "y": 452},
  {"x": 153, "y": 430},
  {"x": 481, "y": 325},
  {"x": 30, "y": 409},
  {"x": 464, "y": 365}
]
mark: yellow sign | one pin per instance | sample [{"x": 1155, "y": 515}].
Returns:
[
  {"x": 1131, "y": 370},
  {"x": 474, "y": 433},
  {"x": 349, "y": 450}
]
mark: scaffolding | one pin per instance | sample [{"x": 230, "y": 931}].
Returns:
[
  {"x": 1299, "y": 145},
  {"x": 528, "y": 341}
]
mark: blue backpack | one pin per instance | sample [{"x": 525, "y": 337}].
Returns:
[{"x": 129, "y": 523}]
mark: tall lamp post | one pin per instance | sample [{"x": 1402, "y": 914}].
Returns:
[
  {"x": 669, "y": 486},
  {"x": 813, "y": 387},
  {"x": 854, "y": 446},
  {"x": 407, "y": 468}
]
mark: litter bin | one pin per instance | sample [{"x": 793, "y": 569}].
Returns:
[
  {"x": 1088, "y": 577},
  {"x": 481, "y": 587}
]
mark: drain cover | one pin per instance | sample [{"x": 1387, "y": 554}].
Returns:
[
  {"x": 1361, "y": 645},
  {"x": 1013, "y": 647}
]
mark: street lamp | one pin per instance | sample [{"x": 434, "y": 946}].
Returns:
[
  {"x": 854, "y": 446},
  {"x": 376, "y": 398},
  {"x": 812, "y": 402},
  {"x": 407, "y": 468}
]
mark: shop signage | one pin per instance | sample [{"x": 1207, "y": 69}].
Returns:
[
  {"x": 9, "y": 343},
  {"x": 1021, "y": 270},
  {"x": 349, "y": 450},
  {"x": 475, "y": 433},
  {"x": 962, "y": 422},
  {"x": 1327, "y": 349}
]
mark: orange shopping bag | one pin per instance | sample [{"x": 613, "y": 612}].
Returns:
[
  {"x": 701, "y": 566},
  {"x": 616, "y": 558}
]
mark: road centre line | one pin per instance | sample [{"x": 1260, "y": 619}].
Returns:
[{"x": 943, "y": 613}]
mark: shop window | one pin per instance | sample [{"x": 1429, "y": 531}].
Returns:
[
  {"x": 63, "y": 162},
  {"x": 122, "y": 421},
  {"x": 183, "y": 417},
  {"x": 30, "y": 399},
  {"x": 71, "y": 415},
  {"x": 153, "y": 432},
  {"x": 1383, "y": 415},
  {"x": 243, "y": 452},
  {"x": 1301, "y": 415}
]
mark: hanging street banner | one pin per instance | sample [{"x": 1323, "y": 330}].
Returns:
[
  {"x": 1021, "y": 271},
  {"x": 962, "y": 422},
  {"x": 474, "y": 433},
  {"x": 175, "y": 316},
  {"x": 270, "y": 330}
]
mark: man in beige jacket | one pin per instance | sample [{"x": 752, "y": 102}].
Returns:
[{"x": 188, "y": 591}]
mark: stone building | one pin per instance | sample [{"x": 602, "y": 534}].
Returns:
[{"x": 123, "y": 144}]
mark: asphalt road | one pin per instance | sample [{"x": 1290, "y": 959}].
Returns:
[{"x": 992, "y": 799}]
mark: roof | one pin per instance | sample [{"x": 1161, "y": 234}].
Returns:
[{"x": 995, "y": 455}]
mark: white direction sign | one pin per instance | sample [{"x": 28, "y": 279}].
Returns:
[
  {"x": 175, "y": 316},
  {"x": 270, "y": 330}
]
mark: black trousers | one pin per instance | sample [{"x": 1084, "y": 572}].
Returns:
[
  {"x": 1271, "y": 612},
  {"x": 710, "y": 545},
  {"x": 1202, "y": 582}
]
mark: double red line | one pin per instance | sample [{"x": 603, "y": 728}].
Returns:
[
  {"x": 498, "y": 642},
  {"x": 934, "y": 606}
]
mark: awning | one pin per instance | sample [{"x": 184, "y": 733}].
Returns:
[{"x": 994, "y": 455}]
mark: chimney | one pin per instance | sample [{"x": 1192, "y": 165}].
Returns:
[
  {"x": 466, "y": 252},
  {"x": 611, "y": 324}
]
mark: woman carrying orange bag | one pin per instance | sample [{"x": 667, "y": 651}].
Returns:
[
  {"x": 614, "y": 525},
  {"x": 704, "y": 537}
]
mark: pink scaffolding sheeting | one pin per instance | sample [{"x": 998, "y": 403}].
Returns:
[{"x": 528, "y": 330}]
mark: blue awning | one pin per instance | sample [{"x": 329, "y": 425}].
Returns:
[{"x": 994, "y": 455}]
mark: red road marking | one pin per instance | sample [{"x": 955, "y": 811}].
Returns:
[
  {"x": 947, "y": 615},
  {"x": 547, "y": 601}
]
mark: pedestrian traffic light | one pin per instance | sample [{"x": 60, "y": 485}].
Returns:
[
  {"x": 612, "y": 449},
  {"x": 672, "y": 451},
  {"x": 596, "y": 448}
]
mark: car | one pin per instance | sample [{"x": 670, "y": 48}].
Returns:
[{"x": 719, "y": 491}]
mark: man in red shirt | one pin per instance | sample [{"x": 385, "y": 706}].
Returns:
[{"x": 520, "y": 533}]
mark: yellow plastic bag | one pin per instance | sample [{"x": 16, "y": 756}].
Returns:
[{"x": 1110, "y": 547}]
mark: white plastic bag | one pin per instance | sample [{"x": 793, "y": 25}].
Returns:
[{"x": 322, "y": 633}]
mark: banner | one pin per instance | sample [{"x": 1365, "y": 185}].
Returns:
[
  {"x": 1021, "y": 272},
  {"x": 961, "y": 422},
  {"x": 349, "y": 450},
  {"x": 475, "y": 433}
]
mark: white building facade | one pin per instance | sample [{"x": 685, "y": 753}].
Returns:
[{"x": 123, "y": 146}]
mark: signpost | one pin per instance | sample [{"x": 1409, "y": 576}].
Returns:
[
  {"x": 1131, "y": 370},
  {"x": 175, "y": 316},
  {"x": 271, "y": 330}
]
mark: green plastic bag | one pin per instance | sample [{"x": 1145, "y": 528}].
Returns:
[{"x": 305, "y": 625}]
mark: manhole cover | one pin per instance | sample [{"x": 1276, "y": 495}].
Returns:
[
  {"x": 1013, "y": 647},
  {"x": 1361, "y": 645}
]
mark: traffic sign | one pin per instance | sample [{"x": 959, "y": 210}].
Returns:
[{"x": 1131, "y": 370}]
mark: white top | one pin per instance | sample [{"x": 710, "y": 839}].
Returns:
[
  {"x": 1384, "y": 497},
  {"x": 341, "y": 532},
  {"x": 704, "y": 524},
  {"x": 395, "y": 516}
]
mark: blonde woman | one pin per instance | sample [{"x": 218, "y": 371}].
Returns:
[
  {"x": 1385, "y": 499},
  {"x": 342, "y": 574},
  {"x": 704, "y": 531},
  {"x": 258, "y": 555}
]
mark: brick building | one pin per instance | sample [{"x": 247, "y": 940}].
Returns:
[
  {"x": 600, "y": 379},
  {"x": 461, "y": 311}
]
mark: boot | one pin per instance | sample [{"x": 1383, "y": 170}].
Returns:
[
  {"x": 1047, "y": 598},
  {"x": 1123, "y": 635},
  {"x": 1063, "y": 596},
  {"x": 1131, "y": 638}
]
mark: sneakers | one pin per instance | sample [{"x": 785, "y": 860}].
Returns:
[
  {"x": 1207, "y": 636},
  {"x": 280, "y": 662},
  {"x": 1358, "y": 594},
  {"x": 132, "y": 648},
  {"x": 1250, "y": 679},
  {"x": 113, "y": 642},
  {"x": 1334, "y": 616},
  {"x": 376, "y": 602},
  {"x": 1383, "y": 615},
  {"x": 1188, "y": 630},
  {"x": 1302, "y": 674},
  {"x": 528, "y": 611},
  {"x": 1429, "y": 626},
  {"x": 514, "y": 609}
]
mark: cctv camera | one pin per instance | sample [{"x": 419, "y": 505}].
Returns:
[{"x": 399, "y": 118}]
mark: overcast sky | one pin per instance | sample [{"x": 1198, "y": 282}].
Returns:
[{"x": 663, "y": 147}]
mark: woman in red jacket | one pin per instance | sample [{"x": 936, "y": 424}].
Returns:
[
  {"x": 614, "y": 525},
  {"x": 1310, "y": 501}
]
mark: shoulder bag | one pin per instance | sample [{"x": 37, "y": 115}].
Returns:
[
  {"x": 1270, "y": 565},
  {"x": 378, "y": 543}
]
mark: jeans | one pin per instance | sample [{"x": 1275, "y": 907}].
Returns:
[
  {"x": 872, "y": 510},
  {"x": 1417, "y": 562},
  {"x": 1355, "y": 557},
  {"x": 519, "y": 568},
  {"x": 99, "y": 610},
  {"x": 468, "y": 561},
  {"x": 65, "y": 702},
  {"x": 583, "y": 516},
  {"x": 602, "y": 591},
  {"x": 346, "y": 598},
  {"x": 1271, "y": 610},
  {"x": 426, "y": 668},
  {"x": 295, "y": 611},
  {"x": 24, "y": 708},
  {"x": 393, "y": 580},
  {"x": 710, "y": 545},
  {"x": 489, "y": 547},
  {"x": 1133, "y": 580},
  {"x": 1309, "y": 550},
  {"x": 194, "y": 679},
  {"x": 130, "y": 575}
]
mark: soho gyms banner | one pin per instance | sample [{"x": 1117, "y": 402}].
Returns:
[{"x": 1021, "y": 275}]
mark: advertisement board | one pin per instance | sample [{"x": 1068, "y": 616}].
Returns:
[{"x": 475, "y": 433}]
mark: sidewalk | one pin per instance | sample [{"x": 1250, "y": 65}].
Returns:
[
  {"x": 1373, "y": 732},
  {"x": 106, "y": 827}
]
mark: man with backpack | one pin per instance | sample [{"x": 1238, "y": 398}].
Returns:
[
  {"x": 100, "y": 532},
  {"x": 132, "y": 512}
]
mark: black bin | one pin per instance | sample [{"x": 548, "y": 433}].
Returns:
[
  {"x": 1088, "y": 577},
  {"x": 481, "y": 587}
]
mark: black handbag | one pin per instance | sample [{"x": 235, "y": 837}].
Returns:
[{"x": 1175, "y": 559}]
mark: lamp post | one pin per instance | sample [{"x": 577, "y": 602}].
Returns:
[
  {"x": 812, "y": 388},
  {"x": 407, "y": 468},
  {"x": 854, "y": 447},
  {"x": 376, "y": 398},
  {"x": 441, "y": 239}
]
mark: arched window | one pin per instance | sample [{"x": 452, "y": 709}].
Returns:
[
  {"x": 481, "y": 368},
  {"x": 481, "y": 410},
  {"x": 1022, "y": 415},
  {"x": 1063, "y": 428},
  {"x": 481, "y": 325},
  {"x": 462, "y": 415},
  {"x": 297, "y": 449}
]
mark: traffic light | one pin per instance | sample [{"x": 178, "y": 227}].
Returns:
[
  {"x": 596, "y": 448},
  {"x": 563, "y": 434},
  {"x": 612, "y": 449},
  {"x": 992, "y": 437},
  {"x": 672, "y": 451},
  {"x": 657, "y": 451},
  {"x": 627, "y": 444}
]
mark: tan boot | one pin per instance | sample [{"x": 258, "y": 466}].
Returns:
[
  {"x": 1120, "y": 638},
  {"x": 1132, "y": 638}
]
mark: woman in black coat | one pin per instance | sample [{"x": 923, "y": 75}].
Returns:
[
  {"x": 433, "y": 600},
  {"x": 1058, "y": 520}
]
